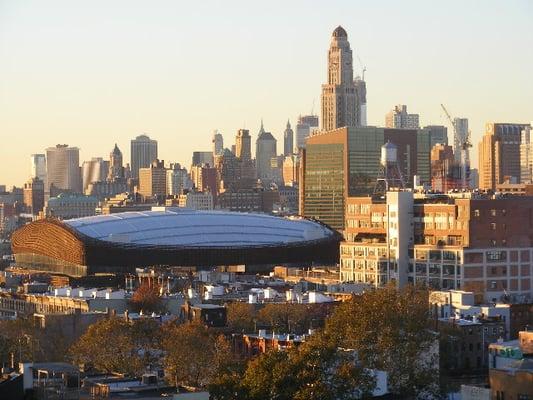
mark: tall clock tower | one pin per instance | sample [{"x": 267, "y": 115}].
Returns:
[{"x": 339, "y": 96}]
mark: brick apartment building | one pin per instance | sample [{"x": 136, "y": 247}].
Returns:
[{"x": 469, "y": 241}]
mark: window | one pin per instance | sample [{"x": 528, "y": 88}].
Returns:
[
  {"x": 493, "y": 212},
  {"x": 493, "y": 284},
  {"x": 476, "y": 213},
  {"x": 493, "y": 256},
  {"x": 493, "y": 226}
]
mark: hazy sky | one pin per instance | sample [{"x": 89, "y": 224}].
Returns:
[{"x": 92, "y": 73}]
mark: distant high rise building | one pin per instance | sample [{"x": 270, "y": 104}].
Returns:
[
  {"x": 143, "y": 154},
  {"x": 228, "y": 169},
  {"x": 437, "y": 134},
  {"x": 526, "y": 156},
  {"x": 177, "y": 180},
  {"x": 204, "y": 177},
  {"x": 265, "y": 150},
  {"x": 499, "y": 154},
  {"x": 218, "y": 143},
  {"x": 288, "y": 140},
  {"x": 34, "y": 195},
  {"x": 291, "y": 170},
  {"x": 116, "y": 169},
  {"x": 38, "y": 166},
  {"x": 153, "y": 180},
  {"x": 461, "y": 126},
  {"x": 63, "y": 168},
  {"x": 340, "y": 100},
  {"x": 399, "y": 118},
  {"x": 445, "y": 171},
  {"x": 360, "y": 89},
  {"x": 93, "y": 171},
  {"x": 243, "y": 145},
  {"x": 307, "y": 124},
  {"x": 202, "y": 157}
]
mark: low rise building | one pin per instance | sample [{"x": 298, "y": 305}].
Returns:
[
  {"x": 68, "y": 206},
  {"x": 197, "y": 200}
]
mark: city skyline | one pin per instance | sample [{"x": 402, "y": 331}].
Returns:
[{"x": 141, "y": 69}]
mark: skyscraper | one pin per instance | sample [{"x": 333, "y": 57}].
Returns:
[
  {"x": 243, "y": 145},
  {"x": 93, "y": 171},
  {"x": 437, "y": 134},
  {"x": 153, "y": 180},
  {"x": 360, "y": 88},
  {"x": 143, "y": 154},
  {"x": 34, "y": 195},
  {"x": 116, "y": 169},
  {"x": 63, "y": 168},
  {"x": 307, "y": 124},
  {"x": 218, "y": 143},
  {"x": 340, "y": 100},
  {"x": 288, "y": 140},
  {"x": 499, "y": 154},
  {"x": 461, "y": 127},
  {"x": 38, "y": 166},
  {"x": 264, "y": 151},
  {"x": 399, "y": 118}
]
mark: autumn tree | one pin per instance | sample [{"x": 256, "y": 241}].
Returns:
[
  {"x": 317, "y": 369},
  {"x": 147, "y": 299},
  {"x": 18, "y": 339},
  {"x": 286, "y": 317},
  {"x": 192, "y": 353},
  {"x": 389, "y": 329},
  {"x": 240, "y": 317},
  {"x": 109, "y": 346}
]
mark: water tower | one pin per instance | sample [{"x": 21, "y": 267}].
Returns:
[{"x": 390, "y": 176}]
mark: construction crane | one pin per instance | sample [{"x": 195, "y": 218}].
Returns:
[{"x": 461, "y": 144}]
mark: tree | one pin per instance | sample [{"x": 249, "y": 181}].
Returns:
[
  {"x": 286, "y": 317},
  {"x": 146, "y": 298},
  {"x": 192, "y": 353},
  {"x": 389, "y": 329},
  {"x": 18, "y": 339},
  {"x": 316, "y": 369},
  {"x": 240, "y": 317},
  {"x": 108, "y": 346}
]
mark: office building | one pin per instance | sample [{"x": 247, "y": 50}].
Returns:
[
  {"x": 291, "y": 170},
  {"x": 178, "y": 180},
  {"x": 243, "y": 145},
  {"x": 399, "y": 118},
  {"x": 288, "y": 140},
  {"x": 205, "y": 178},
  {"x": 228, "y": 169},
  {"x": 143, "y": 154},
  {"x": 218, "y": 143},
  {"x": 526, "y": 156},
  {"x": 360, "y": 90},
  {"x": 93, "y": 171},
  {"x": 197, "y": 200},
  {"x": 38, "y": 166},
  {"x": 306, "y": 126},
  {"x": 438, "y": 134},
  {"x": 70, "y": 205},
  {"x": 340, "y": 101},
  {"x": 461, "y": 128},
  {"x": 106, "y": 189},
  {"x": 499, "y": 154},
  {"x": 34, "y": 195},
  {"x": 462, "y": 241},
  {"x": 202, "y": 158},
  {"x": 153, "y": 180},
  {"x": 265, "y": 150},
  {"x": 63, "y": 168},
  {"x": 346, "y": 162},
  {"x": 445, "y": 171},
  {"x": 116, "y": 166}
]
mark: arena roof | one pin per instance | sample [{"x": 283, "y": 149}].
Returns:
[{"x": 198, "y": 228}]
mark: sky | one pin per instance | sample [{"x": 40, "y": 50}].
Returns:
[{"x": 95, "y": 73}]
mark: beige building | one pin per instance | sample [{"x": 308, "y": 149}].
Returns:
[
  {"x": 153, "y": 180},
  {"x": 499, "y": 154},
  {"x": 63, "y": 168},
  {"x": 340, "y": 100},
  {"x": 291, "y": 169},
  {"x": 197, "y": 200}
]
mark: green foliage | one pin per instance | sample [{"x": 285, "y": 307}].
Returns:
[{"x": 18, "y": 338}]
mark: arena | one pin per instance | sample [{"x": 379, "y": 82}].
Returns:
[{"x": 119, "y": 243}]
